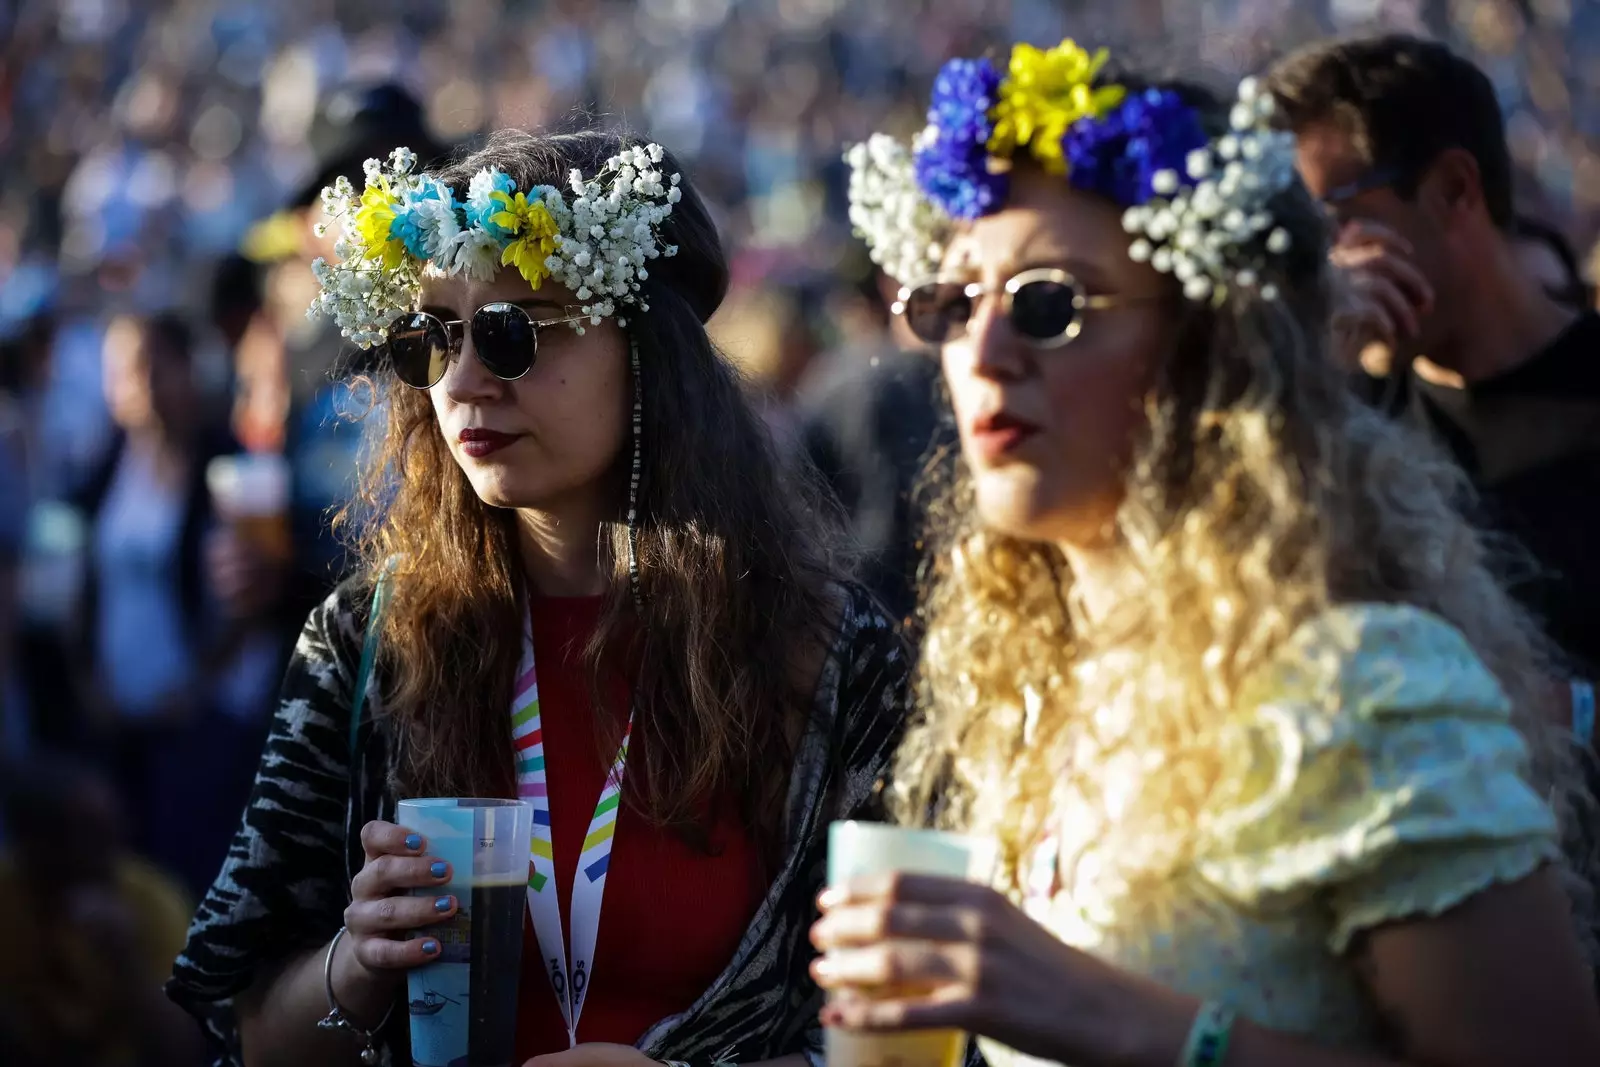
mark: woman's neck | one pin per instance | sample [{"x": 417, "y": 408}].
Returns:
[
  {"x": 560, "y": 548},
  {"x": 165, "y": 448},
  {"x": 1099, "y": 579}
]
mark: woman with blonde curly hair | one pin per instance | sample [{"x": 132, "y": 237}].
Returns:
[
  {"x": 1209, "y": 652},
  {"x": 586, "y": 584}
]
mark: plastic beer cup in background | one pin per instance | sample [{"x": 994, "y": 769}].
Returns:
[
  {"x": 464, "y": 1005},
  {"x": 858, "y": 849},
  {"x": 250, "y": 491}
]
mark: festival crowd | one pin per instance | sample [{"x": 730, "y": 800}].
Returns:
[{"x": 1188, "y": 491}]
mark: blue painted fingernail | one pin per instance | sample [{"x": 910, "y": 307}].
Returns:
[
  {"x": 430, "y": 948},
  {"x": 414, "y": 842},
  {"x": 439, "y": 868},
  {"x": 443, "y": 904}
]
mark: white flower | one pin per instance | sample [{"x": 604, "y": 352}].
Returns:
[
  {"x": 1205, "y": 235},
  {"x": 903, "y": 230}
]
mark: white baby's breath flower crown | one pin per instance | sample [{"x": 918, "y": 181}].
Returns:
[
  {"x": 1196, "y": 208},
  {"x": 595, "y": 239}
]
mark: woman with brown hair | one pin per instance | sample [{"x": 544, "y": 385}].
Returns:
[{"x": 572, "y": 480}]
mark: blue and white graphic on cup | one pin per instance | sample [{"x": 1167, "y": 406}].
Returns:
[{"x": 463, "y": 1006}]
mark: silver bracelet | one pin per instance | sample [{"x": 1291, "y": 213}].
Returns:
[{"x": 338, "y": 1019}]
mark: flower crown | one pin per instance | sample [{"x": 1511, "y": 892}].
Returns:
[
  {"x": 1196, "y": 207},
  {"x": 406, "y": 226}
]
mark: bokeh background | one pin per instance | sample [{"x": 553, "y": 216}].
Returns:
[
  {"x": 152, "y": 297},
  {"x": 142, "y": 139}
]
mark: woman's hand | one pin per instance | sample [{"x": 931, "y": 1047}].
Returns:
[
  {"x": 909, "y": 952},
  {"x": 596, "y": 1054},
  {"x": 382, "y": 910}
]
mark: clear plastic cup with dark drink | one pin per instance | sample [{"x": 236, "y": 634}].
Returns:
[{"x": 464, "y": 1005}]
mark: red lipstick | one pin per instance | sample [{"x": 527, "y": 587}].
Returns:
[
  {"x": 479, "y": 443},
  {"x": 998, "y": 434}
]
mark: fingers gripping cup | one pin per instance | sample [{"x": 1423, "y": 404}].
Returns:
[
  {"x": 464, "y": 1005},
  {"x": 859, "y": 849}
]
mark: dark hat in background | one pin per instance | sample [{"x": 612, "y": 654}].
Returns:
[{"x": 358, "y": 123}]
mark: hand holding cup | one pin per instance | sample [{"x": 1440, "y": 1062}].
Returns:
[{"x": 385, "y": 909}]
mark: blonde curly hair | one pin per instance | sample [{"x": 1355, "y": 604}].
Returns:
[{"x": 1262, "y": 494}]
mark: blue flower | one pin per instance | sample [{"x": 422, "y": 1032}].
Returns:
[
  {"x": 425, "y": 220},
  {"x": 952, "y": 158},
  {"x": 481, "y": 204},
  {"x": 1119, "y": 155}
]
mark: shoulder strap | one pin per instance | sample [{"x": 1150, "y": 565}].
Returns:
[{"x": 369, "y": 654}]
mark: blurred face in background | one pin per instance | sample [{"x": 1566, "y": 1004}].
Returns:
[
  {"x": 148, "y": 383},
  {"x": 552, "y": 435},
  {"x": 1048, "y": 432},
  {"x": 1355, "y": 191}
]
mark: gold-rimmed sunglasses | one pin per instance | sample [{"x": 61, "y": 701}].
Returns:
[{"x": 1045, "y": 306}]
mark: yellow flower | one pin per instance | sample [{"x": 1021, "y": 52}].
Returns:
[
  {"x": 535, "y": 231},
  {"x": 373, "y": 219},
  {"x": 1043, "y": 94}
]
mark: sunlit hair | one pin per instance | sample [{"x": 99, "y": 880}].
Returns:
[
  {"x": 736, "y": 562},
  {"x": 1261, "y": 494}
]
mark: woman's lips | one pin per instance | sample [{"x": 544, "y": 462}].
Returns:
[
  {"x": 995, "y": 436},
  {"x": 479, "y": 443}
]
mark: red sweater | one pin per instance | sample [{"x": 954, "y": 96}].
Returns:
[{"x": 672, "y": 916}]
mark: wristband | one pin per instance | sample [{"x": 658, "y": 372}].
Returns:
[{"x": 1208, "y": 1036}]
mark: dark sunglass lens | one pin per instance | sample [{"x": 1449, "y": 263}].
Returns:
[
  {"x": 1044, "y": 310},
  {"x": 503, "y": 336},
  {"x": 419, "y": 349},
  {"x": 937, "y": 313}
]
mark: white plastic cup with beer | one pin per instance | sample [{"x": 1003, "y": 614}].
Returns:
[
  {"x": 859, "y": 849},
  {"x": 250, "y": 491}
]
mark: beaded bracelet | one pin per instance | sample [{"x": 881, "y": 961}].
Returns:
[{"x": 1208, "y": 1036}]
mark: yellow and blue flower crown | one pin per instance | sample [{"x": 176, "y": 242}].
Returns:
[
  {"x": 1196, "y": 207},
  {"x": 405, "y": 225}
]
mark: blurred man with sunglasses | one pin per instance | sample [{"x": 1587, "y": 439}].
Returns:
[{"x": 1404, "y": 143}]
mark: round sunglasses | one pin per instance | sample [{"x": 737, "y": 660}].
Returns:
[
  {"x": 505, "y": 339},
  {"x": 1045, "y": 307}
]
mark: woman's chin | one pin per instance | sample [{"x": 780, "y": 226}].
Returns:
[
  {"x": 1019, "y": 502},
  {"x": 500, "y": 490}
]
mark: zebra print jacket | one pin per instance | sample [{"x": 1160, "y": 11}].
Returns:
[{"x": 285, "y": 883}]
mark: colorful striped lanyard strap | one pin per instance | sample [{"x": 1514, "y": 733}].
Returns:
[{"x": 589, "y": 881}]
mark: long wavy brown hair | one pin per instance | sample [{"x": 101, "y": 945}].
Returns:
[
  {"x": 1263, "y": 494},
  {"x": 737, "y": 562}
]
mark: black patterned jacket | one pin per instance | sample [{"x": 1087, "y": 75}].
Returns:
[{"x": 285, "y": 883}]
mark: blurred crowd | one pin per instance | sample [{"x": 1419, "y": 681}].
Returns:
[{"x": 154, "y": 269}]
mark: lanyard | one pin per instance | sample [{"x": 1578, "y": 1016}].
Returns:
[{"x": 589, "y": 881}]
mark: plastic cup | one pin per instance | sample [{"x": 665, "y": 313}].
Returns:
[
  {"x": 859, "y": 849},
  {"x": 251, "y": 492},
  {"x": 464, "y": 1005}
]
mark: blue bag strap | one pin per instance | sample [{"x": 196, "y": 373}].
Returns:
[
  {"x": 369, "y": 655},
  {"x": 358, "y": 703}
]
